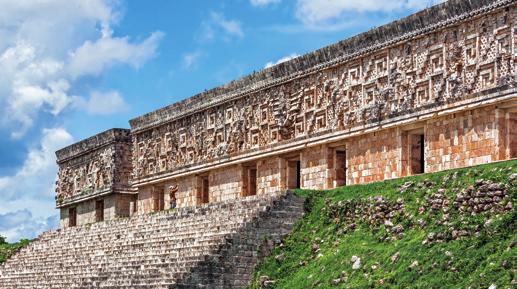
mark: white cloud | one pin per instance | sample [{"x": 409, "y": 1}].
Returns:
[
  {"x": 104, "y": 103},
  {"x": 191, "y": 59},
  {"x": 38, "y": 168},
  {"x": 47, "y": 46},
  {"x": 22, "y": 224},
  {"x": 283, "y": 59},
  {"x": 218, "y": 25},
  {"x": 264, "y": 2},
  {"x": 93, "y": 58},
  {"x": 30, "y": 191},
  {"x": 318, "y": 12}
]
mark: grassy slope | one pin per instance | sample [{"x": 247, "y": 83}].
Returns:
[
  {"x": 6, "y": 250},
  {"x": 476, "y": 261}
]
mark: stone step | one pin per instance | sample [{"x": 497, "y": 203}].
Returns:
[{"x": 214, "y": 246}]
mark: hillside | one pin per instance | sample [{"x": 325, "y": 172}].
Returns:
[{"x": 453, "y": 229}]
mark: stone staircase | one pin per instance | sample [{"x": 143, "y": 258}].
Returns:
[{"x": 211, "y": 246}]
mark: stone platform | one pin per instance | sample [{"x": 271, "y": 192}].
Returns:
[{"x": 210, "y": 246}]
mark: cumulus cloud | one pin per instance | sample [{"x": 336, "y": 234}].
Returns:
[
  {"x": 92, "y": 58},
  {"x": 48, "y": 49},
  {"x": 104, "y": 103},
  {"x": 38, "y": 168},
  {"x": 219, "y": 25},
  {"x": 283, "y": 59},
  {"x": 264, "y": 2},
  {"x": 47, "y": 46},
  {"x": 319, "y": 12},
  {"x": 22, "y": 224},
  {"x": 31, "y": 189}
]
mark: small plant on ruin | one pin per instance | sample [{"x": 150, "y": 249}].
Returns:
[{"x": 6, "y": 249}]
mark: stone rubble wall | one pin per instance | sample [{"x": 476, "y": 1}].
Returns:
[
  {"x": 161, "y": 250},
  {"x": 485, "y": 197}
]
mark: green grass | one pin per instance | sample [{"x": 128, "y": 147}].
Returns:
[
  {"x": 476, "y": 261},
  {"x": 6, "y": 249}
]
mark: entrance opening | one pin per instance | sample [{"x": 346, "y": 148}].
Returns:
[
  {"x": 512, "y": 126},
  {"x": 340, "y": 165},
  {"x": 158, "y": 199},
  {"x": 99, "y": 211},
  {"x": 294, "y": 174},
  {"x": 252, "y": 182},
  {"x": 135, "y": 202},
  {"x": 298, "y": 175},
  {"x": 204, "y": 190},
  {"x": 72, "y": 217},
  {"x": 417, "y": 158}
]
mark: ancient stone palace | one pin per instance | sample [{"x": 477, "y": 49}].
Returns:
[{"x": 434, "y": 91}]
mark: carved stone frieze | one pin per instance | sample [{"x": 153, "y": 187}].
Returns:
[{"x": 98, "y": 164}]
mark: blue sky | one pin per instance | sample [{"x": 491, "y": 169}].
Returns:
[{"x": 73, "y": 68}]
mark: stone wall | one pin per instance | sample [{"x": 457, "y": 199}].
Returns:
[
  {"x": 187, "y": 191},
  {"x": 374, "y": 157},
  {"x": 86, "y": 212},
  {"x": 226, "y": 184},
  {"x": 464, "y": 139},
  {"x": 507, "y": 127},
  {"x": 145, "y": 200},
  {"x": 115, "y": 206},
  {"x": 122, "y": 205},
  {"x": 271, "y": 174},
  {"x": 425, "y": 21},
  {"x": 316, "y": 165}
]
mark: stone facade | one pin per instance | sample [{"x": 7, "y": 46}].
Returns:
[
  {"x": 94, "y": 178},
  {"x": 433, "y": 91}
]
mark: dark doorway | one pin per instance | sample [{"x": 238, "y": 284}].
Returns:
[
  {"x": 252, "y": 182},
  {"x": 158, "y": 199},
  {"x": 512, "y": 126},
  {"x": 72, "y": 217},
  {"x": 340, "y": 165},
  {"x": 298, "y": 175},
  {"x": 99, "y": 211},
  {"x": 417, "y": 151},
  {"x": 205, "y": 190},
  {"x": 135, "y": 202},
  {"x": 293, "y": 174}
]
